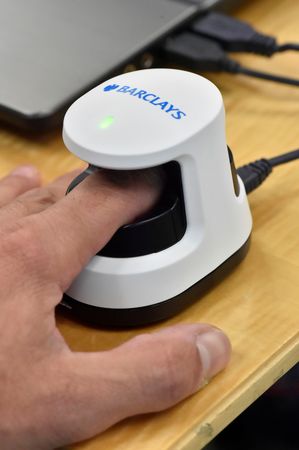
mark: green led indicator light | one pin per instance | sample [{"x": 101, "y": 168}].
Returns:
[{"x": 106, "y": 122}]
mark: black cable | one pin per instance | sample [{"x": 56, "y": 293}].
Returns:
[
  {"x": 287, "y": 47},
  {"x": 267, "y": 76},
  {"x": 284, "y": 158},
  {"x": 237, "y": 36},
  {"x": 253, "y": 174},
  {"x": 203, "y": 54}
]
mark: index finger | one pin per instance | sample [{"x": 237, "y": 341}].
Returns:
[{"x": 74, "y": 229}]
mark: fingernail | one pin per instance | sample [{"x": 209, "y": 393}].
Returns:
[
  {"x": 214, "y": 351},
  {"x": 26, "y": 171}
]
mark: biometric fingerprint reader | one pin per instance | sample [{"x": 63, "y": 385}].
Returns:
[{"x": 201, "y": 227}]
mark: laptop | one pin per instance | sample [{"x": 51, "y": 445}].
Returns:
[{"x": 52, "y": 51}]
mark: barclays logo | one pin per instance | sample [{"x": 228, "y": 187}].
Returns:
[
  {"x": 153, "y": 99},
  {"x": 111, "y": 87}
]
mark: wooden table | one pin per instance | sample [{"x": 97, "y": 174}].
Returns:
[{"x": 258, "y": 304}]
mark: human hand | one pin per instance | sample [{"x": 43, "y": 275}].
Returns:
[{"x": 49, "y": 395}]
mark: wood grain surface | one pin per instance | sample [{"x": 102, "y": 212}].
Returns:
[{"x": 257, "y": 305}]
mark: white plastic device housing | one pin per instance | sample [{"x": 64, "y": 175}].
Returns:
[{"x": 143, "y": 134}]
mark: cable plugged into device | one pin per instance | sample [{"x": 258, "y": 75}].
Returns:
[
  {"x": 204, "y": 54},
  {"x": 253, "y": 174},
  {"x": 237, "y": 36}
]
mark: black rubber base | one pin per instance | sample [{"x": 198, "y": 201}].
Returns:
[{"x": 134, "y": 317}]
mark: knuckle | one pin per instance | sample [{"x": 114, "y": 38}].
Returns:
[
  {"x": 42, "y": 197},
  {"x": 33, "y": 201}
]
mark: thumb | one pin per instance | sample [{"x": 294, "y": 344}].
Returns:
[{"x": 149, "y": 373}]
